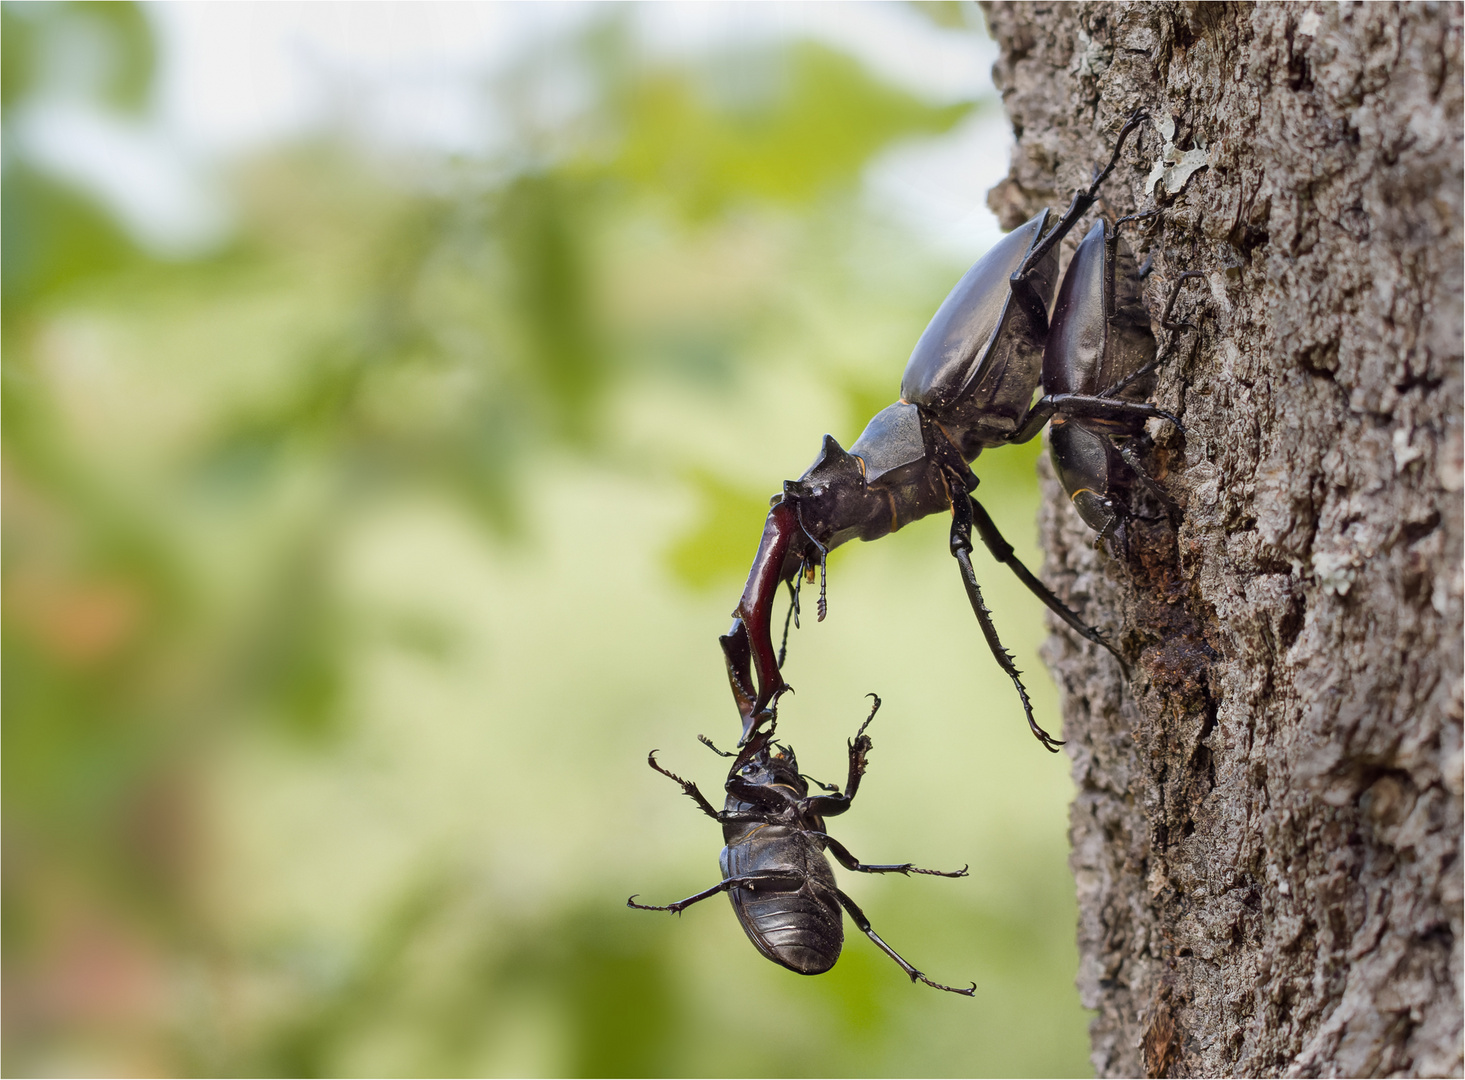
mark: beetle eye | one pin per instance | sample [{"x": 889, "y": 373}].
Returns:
[{"x": 747, "y": 770}]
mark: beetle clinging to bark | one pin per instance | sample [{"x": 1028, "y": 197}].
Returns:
[{"x": 969, "y": 386}]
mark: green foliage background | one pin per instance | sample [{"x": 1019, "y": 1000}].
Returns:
[{"x": 351, "y": 570}]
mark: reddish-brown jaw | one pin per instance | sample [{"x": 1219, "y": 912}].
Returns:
[{"x": 751, "y": 638}]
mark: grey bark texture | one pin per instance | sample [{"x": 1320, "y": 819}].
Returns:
[{"x": 1267, "y": 831}]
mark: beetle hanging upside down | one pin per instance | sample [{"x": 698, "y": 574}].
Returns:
[
  {"x": 774, "y": 869},
  {"x": 968, "y": 386}
]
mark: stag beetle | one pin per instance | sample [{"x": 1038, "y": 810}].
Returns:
[
  {"x": 774, "y": 869},
  {"x": 968, "y": 385},
  {"x": 1100, "y": 345}
]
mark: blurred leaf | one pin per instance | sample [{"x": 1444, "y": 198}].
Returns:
[
  {"x": 52, "y": 238},
  {"x": 310, "y": 1044},
  {"x": 19, "y": 60},
  {"x": 623, "y": 1000},
  {"x": 105, "y": 48},
  {"x": 542, "y": 224},
  {"x": 721, "y": 544},
  {"x": 947, "y": 14},
  {"x": 807, "y": 120},
  {"x": 131, "y": 56}
]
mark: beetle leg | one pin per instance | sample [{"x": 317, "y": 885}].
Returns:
[
  {"x": 767, "y": 795},
  {"x": 825, "y": 805},
  {"x": 749, "y": 817},
  {"x": 1174, "y": 326},
  {"x": 849, "y": 862},
  {"x": 746, "y": 881},
  {"x": 864, "y": 924},
  {"x": 689, "y": 789},
  {"x": 794, "y": 584},
  {"x": 1141, "y": 216},
  {"x": 859, "y": 748},
  {"x": 1035, "y": 421},
  {"x": 1104, "y": 408},
  {"x": 1078, "y": 406},
  {"x": 1082, "y": 200},
  {"x": 1142, "y": 475},
  {"x": 1166, "y": 322},
  {"x": 961, "y": 546},
  {"x": 1002, "y": 551},
  {"x": 705, "y": 741},
  {"x": 1175, "y": 295},
  {"x": 1115, "y": 535}
]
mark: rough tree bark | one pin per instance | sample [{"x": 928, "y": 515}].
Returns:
[{"x": 1266, "y": 837}]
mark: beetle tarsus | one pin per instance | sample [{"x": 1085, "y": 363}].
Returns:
[
  {"x": 1141, "y": 216},
  {"x": 821, "y": 785},
  {"x": 794, "y": 583},
  {"x": 823, "y": 606},
  {"x": 999, "y": 653},
  {"x": 849, "y": 862},
  {"x": 1165, "y": 319},
  {"x": 915, "y": 976}
]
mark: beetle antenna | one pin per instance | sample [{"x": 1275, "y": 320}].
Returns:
[
  {"x": 823, "y": 606},
  {"x": 705, "y": 741}
]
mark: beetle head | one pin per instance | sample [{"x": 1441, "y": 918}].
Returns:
[
  {"x": 825, "y": 489},
  {"x": 764, "y": 761}
]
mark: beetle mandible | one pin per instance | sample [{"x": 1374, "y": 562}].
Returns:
[
  {"x": 968, "y": 386},
  {"x": 774, "y": 867}
]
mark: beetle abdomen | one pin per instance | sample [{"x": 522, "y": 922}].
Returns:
[
  {"x": 801, "y": 930},
  {"x": 792, "y": 916}
]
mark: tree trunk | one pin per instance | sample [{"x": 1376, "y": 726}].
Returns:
[{"x": 1266, "y": 836}]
